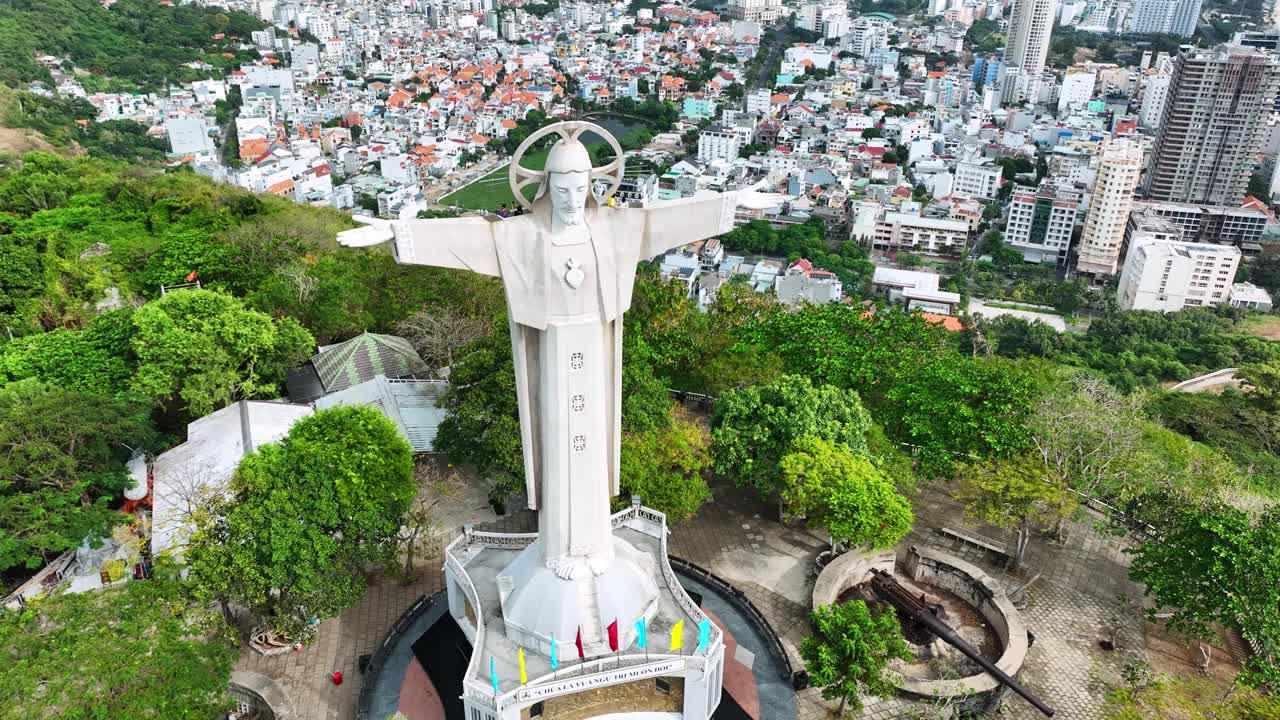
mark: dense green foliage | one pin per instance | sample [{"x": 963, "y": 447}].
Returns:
[
  {"x": 348, "y": 475},
  {"x": 1140, "y": 347},
  {"x": 66, "y": 122},
  {"x": 62, "y": 456},
  {"x": 1020, "y": 494},
  {"x": 135, "y": 652},
  {"x": 160, "y": 228},
  {"x": 1208, "y": 562},
  {"x": 835, "y": 488},
  {"x": 665, "y": 467},
  {"x": 755, "y": 427},
  {"x": 143, "y": 42},
  {"x": 849, "y": 650}
]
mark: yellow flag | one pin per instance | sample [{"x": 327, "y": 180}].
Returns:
[
  {"x": 677, "y": 636},
  {"x": 523, "y": 678}
]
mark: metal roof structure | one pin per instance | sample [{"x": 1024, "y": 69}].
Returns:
[
  {"x": 410, "y": 404},
  {"x": 363, "y": 358}
]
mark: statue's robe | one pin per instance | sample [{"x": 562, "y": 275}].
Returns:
[{"x": 516, "y": 249}]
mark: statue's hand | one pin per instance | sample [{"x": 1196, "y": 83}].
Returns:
[
  {"x": 375, "y": 232},
  {"x": 753, "y": 200}
]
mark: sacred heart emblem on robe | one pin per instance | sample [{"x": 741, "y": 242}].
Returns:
[{"x": 575, "y": 276}]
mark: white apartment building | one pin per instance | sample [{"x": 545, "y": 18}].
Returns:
[
  {"x": 1040, "y": 223},
  {"x": 718, "y": 143},
  {"x": 1077, "y": 89},
  {"x": 1119, "y": 165},
  {"x": 1155, "y": 90},
  {"x": 978, "y": 177},
  {"x": 932, "y": 236},
  {"x": 1166, "y": 275}
]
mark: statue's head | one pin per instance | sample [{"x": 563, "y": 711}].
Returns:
[
  {"x": 564, "y": 182},
  {"x": 568, "y": 180}
]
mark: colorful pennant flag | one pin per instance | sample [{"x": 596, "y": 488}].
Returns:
[
  {"x": 704, "y": 634},
  {"x": 613, "y": 635},
  {"x": 493, "y": 675},
  {"x": 677, "y": 636},
  {"x": 642, "y": 634},
  {"x": 555, "y": 657},
  {"x": 523, "y": 678},
  {"x": 578, "y": 642}
]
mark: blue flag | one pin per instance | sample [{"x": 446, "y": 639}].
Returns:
[
  {"x": 555, "y": 659},
  {"x": 493, "y": 675},
  {"x": 704, "y": 633},
  {"x": 642, "y": 634}
]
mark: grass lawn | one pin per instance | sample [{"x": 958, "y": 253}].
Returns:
[
  {"x": 1014, "y": 306},
  {"x": 1263, "y": 326},
  {"x": 492, "y": 190}
]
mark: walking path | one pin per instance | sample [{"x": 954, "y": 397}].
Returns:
[{"x": 1070, "y": 608}]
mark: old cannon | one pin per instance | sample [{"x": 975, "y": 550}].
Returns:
[{"x": 888, "y": 590}]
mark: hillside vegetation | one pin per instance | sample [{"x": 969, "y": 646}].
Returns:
[{"x": 139, "y": 41}]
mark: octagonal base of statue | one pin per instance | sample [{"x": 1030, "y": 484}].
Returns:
[
  {"x": 538, "y": 605},
  {"x": 506, "y": 601}
]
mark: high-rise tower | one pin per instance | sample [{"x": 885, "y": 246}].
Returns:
[
  {"x": 1030, "y": 24},
  {"x": 1119, "y": 166},
  {"x": 1213, "y": 124}
]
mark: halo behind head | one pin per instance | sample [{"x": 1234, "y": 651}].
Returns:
[{"x": 569, "y": 154}]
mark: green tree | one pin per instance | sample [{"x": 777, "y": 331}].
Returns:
[
  {"x": 62, "y": 463},
  {"x": 349, "y": 474},
  {"x": 200, "y": 350},
  {"x": 1019, "y": 494},
  {"x": 482, "y": 421},
  {"x": 665, "y": 467},
  {"x": 960, "y": 406},
  {"x": 845, "y": 493},
  {"x": 143, "y": 650},
  {"x": 848, "y": 653},
  {"x": 1210, "y": 563},
  {"x": 753, "y": 428}
]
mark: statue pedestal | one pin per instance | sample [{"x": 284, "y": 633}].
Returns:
[
  {"x": 505, "y": 599},
  {"x": 537, "y": 605}
]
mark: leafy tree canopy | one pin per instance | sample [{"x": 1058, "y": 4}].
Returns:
[
  {"x": 135, "y": 652},
  {"x": 204, "y": 349},
  {"x": 349, "y": 474},
  {"x": 665, "y": 467},
  {"x": 1208, "y": 562},
  {"x": 62, "y": 457},
  {"x": 849, "y": 650},
  {"x": 845, "y": 493},
  {"x": 753, "y": 428}
]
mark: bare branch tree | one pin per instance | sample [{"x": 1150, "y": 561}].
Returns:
[
  {"x": 440, "y": 332},
  {"x": 304, "y": 285},
  {"x": 420, "y": 533}
]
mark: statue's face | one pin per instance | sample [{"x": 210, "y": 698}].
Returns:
[{"x": 569, "y": 196}]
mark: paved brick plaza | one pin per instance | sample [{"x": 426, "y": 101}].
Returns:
[{"x": 1069, "y": 606}]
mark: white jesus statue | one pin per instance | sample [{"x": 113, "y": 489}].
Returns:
[{"x": 568, "y": 268}]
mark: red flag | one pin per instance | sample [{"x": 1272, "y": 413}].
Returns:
[
  {"x": 192, "y": 277},
  {"x": 578, "y": 642},
  {"x": 613, "y": 635}
]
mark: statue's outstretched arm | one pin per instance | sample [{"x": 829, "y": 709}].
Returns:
[
  {"x": 463, "y": 243},
  {"x": 679, "y": 222}
]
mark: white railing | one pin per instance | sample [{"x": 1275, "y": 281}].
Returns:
[
  {"x": 500, "y": 541},
  {"x": 473, "y": 689},
  {"x": 642, "y": 519},
  {"x": 597, "y": 672}
]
